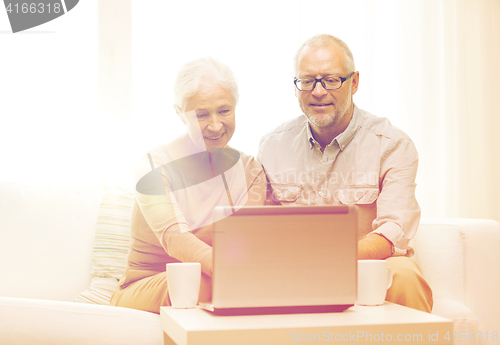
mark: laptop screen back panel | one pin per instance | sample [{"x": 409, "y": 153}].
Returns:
[{"x": 285, "y": 256}]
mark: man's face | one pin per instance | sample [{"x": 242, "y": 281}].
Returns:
[
  {"x": 213, "y": 113},
  {"x": 326, "y": 108}
]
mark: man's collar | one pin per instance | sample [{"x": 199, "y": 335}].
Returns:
[
  {"x": 346, "y": 136},
  {"x": 343, "y": 138},
  {"x": 310, "y": 137}
]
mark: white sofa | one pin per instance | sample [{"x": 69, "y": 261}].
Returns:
[
  {"x": 47, "y": 236},
  {"x": 49, "y": 251}
]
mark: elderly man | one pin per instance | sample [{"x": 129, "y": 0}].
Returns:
[{"x": 339, "y": 154}]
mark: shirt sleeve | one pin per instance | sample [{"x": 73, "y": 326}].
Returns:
[
  {"x": 165, "y": 218},
  {"x": 398, "y": 212}
]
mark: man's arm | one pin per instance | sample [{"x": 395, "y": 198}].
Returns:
[
  {"x": 374, "y": 247},
  {"x": 398, "y": 212}
]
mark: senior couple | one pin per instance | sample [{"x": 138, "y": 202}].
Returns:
[{"x": 335, "y": 153}]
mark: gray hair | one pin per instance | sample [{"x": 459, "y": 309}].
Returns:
[
  {"x": 323, "y": 40},
  {"x": 195, "y": 72}
]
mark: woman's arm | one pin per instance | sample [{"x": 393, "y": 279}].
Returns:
[{"x": 166, "y": 220}]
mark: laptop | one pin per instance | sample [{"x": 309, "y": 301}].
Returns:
[{"x": 279, "y": 259}]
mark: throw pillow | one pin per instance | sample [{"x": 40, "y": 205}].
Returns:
[{"x": 111, "y": 246}]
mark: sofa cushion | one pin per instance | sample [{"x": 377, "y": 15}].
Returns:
[
  {"x": 46, "y": 236},
  {"x": 112, "y": 239},
  {"x": 439, "y": 251},
  {"x": 28, "y": 321}
]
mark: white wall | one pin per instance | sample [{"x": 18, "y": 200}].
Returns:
[{"x": 49, "y": 127}]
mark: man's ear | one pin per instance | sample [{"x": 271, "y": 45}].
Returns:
[
  {"x": 355, "y": 82},
  {"x": 180, "y": 114}
]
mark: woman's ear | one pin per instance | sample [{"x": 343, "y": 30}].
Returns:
[{"x": 180, "y": 114}]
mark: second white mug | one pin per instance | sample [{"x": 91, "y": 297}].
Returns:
[{"x": 374, "y": 278}]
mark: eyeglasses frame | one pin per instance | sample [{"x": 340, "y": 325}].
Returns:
[{"x": 342, "y": 80}]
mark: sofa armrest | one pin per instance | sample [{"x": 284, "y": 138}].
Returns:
[{"x": 459, "y": 259}]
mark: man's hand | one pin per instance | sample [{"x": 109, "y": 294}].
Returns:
[{"x": 374, "y": 247}]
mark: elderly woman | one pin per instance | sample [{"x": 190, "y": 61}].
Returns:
[{"x": 172, "y": 212}]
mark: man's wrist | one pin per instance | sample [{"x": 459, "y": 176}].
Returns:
[
  {"x": 385, "y": 238},
  {"x": 374, "y": 247}
]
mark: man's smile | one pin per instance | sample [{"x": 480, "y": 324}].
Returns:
[{"x": 321, "y": 104}]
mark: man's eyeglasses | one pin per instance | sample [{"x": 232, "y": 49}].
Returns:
[{"x": 329, "y": 83}]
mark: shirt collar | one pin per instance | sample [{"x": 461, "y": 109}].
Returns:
[
  {"x": 346, "y": 136},
  {"x": 310, "y": 137}
]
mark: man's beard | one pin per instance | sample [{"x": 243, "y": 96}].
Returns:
[{"x": 332, "y": 119}]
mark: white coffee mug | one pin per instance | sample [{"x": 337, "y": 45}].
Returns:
[
  {"x": 374, "y": 278},
  {"x": 183, "y": 279}
]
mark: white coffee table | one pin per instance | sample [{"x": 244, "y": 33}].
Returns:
[{"x": 359, "y": 324}]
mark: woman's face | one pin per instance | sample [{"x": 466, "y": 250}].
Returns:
[{"x": 213, "y": 108}]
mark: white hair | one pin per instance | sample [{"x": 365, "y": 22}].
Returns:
[
  {"x": 195, "y": 72},
  {"x": 323, "y": 40}
]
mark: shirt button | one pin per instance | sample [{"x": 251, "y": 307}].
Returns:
[{"x": 320, "y": 193}]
